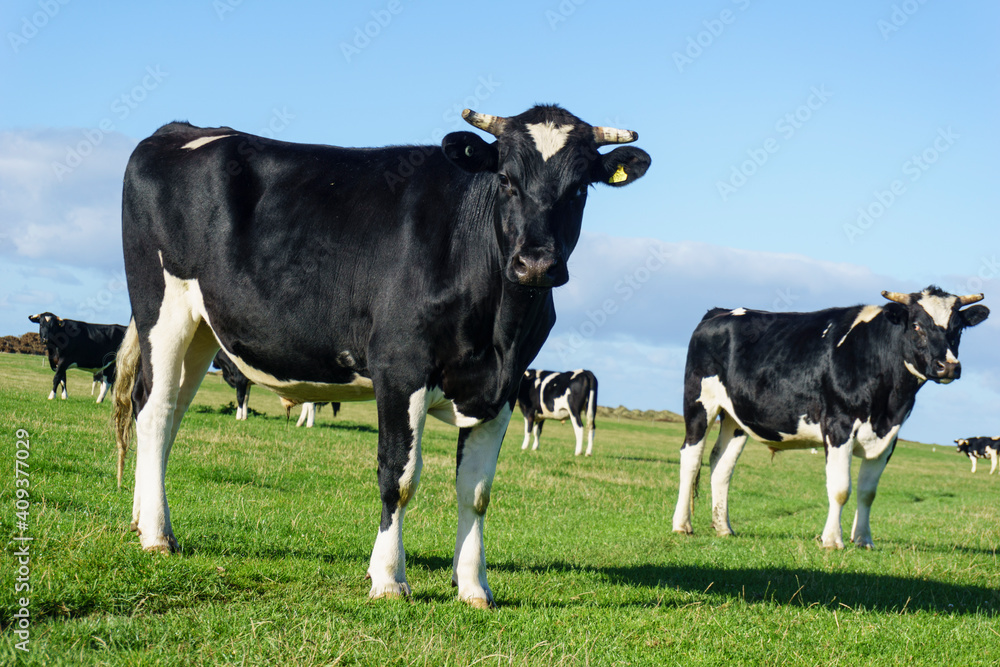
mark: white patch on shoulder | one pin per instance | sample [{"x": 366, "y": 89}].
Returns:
[
  {"x": 201, "y": 141},
  {"x": 575, "y": 373},
  {"x": 549, "y": 138},
  {"x": 938, "y": 307},
  {"x": 866, "y": 314},
  {"x": 867, "y": 443},
  {"x": 739, "y": 311}
]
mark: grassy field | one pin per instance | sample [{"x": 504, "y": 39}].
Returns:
[{"x": 277, "y": 524}]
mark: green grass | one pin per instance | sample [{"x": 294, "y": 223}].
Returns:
[{"x": 277, "y": 524}]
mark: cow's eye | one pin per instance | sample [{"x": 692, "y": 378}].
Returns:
[
  {"x": 504, "y": 181},
  {"x": 580, "y": 191}
]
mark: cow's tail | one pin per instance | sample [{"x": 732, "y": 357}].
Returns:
[
  {"x": 127, "y": 362},
  {"x": 592, "y": 406}
]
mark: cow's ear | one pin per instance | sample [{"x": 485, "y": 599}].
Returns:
[
  {"x": 973, "y": 315},
  {"x": 621, "y": 166},
  {"x": 468, "y": 151},
  {"x": 896, "y": 313}
]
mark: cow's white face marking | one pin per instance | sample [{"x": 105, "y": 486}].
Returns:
[
  {"x": 938, "y": 307},
  {"x": 738, "y": 311},
  {"x": 549, "y": 139},
  {"x": 201, "y": 141},
  {"x": 866, "y": 314}
]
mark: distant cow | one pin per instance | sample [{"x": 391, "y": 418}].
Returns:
[
  {"x": 980, "y": 448},
  {"x": 75, "y": 344},
  {"x": 419, "y": 276},
  {"x": 551, "y": 395},
  {"x": 844, "y": 378},
  {"x": 235, "y": 378}
]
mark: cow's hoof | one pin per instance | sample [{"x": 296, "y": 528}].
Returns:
[
  {"x": 165, "y": 545},
  {"x": 864, "y": 544},
  {"x": 480, "y": 603},
  {"x": 391, "y": 591},
  {"x": 134, "y": 527},
  {"x": 684, "y": 531}
]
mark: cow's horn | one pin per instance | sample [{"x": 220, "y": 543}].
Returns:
[
  {"x": 969, "y": 298},
  {"x": 897, "y": 297},
  {"x": 612, "y": 135},
  {"x": 485, "y": 122}
]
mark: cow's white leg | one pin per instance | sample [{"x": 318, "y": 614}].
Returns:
[
  {"x": 245, "y": 407},
  {"x": 535, "y": 430},
  {"x": 697, "y": 420},
  {"x": 65, "y": 394},
  {"x": 973, "y": 459},
  {"x": 725, "y": 454},
  {"x": 838, "y": 490},
  {"x": 479, "y": 448},
  {"x": 398, "y": 482},
  {"x": 868, "y": 476},
  {"x": 52, "y": 394},
  {"x": 104, "y": 391},
  {"x": 577, "y": 422},
  {"x": 311, "y": 417},
  {"x": 527, "y": 433},
  {"x": 302, "y": 415},
  {"x": 591, "y": 425},
  {"x": 993, "y": 454}
]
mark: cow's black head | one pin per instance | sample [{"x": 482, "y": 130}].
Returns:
[
  {"x": 542, "y": 163},
  {"x": 48, "y": 325},
  {"x": 934, "y": 320}
]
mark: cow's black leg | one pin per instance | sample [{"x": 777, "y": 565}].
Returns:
[
  {"x": 529, "y": 420},
  {"x": 401, "y": 417},
  {"x": 59, "y": 379},
  {"x": 479, "y": 448}
]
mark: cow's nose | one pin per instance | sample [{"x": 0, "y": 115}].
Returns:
[
  {"x": 536, "y": 270},
  {"x": 948, "y": 370}
]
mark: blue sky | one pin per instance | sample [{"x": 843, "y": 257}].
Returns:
[{"x": 805, "y": 155}]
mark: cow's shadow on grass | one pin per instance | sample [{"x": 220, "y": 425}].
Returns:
[{"x": 804, "y": 588}]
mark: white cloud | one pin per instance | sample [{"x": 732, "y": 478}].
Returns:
[{"x": 60, "y": 196}]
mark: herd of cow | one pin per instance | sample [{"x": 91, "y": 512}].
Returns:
[{"x": 323, "y": 275}]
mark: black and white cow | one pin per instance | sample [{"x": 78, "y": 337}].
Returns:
[
  {"x": 843, "y": 378},
  {"x": 419, "y": 276},
  {"x": 550, "y": 395},
  {"x": 75, "y": 344},
  {"x": 235, "y": 379},
  {"x": 980, "y": 448}
]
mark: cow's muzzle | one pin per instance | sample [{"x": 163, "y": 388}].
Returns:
[
  {"x": 946, "y": 371},
  {"x": 537, "y": 270}
]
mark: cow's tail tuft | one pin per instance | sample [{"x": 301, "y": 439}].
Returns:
[{"x": 127, "y": 363}]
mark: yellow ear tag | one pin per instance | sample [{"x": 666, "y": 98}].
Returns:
[{"x": 618, "y": 176}]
